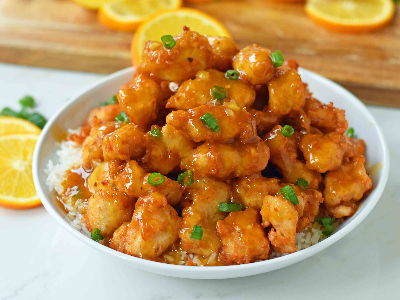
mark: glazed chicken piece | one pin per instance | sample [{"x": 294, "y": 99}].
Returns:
[
  {"x": 250, "y": 191},
  {"x": 326, "y": 118},
  {"x": 282, "y": 216},
  {"x": 284, "y": 155},
  {"x": 153, "y": 229},
  {"x": 298, "y": 120},
  {"x": 323, "y": 152},
  {"x": 191, "y": 54},
  {"x": 104, "y": 114},
  {"x": 224, "y": 49},
  {"x": 243, "y": 238},
  {"x": 102, "y": 177},
  {"x": 92, "y": 152},
  {"x": 345, "y": 186},
  {"x": 286, "y": 92},
  {"x": 205, "y": 195},
  {"x": 232, "y": 121},
  {"x": 142, "y": 102},
  {"x": 292, "y": 64},
  {"x": 164, "y": 154},
  {"x": 199, "y": 91},
  {"x": 125, "y": 143},
  {"x": 354, "y": 147},
  {"x": 107, "y": 210},
  {"x": 226, "y": 161},
  {"x": 254, "y": 64},
  {"x": 171, "y": 189},
  {"x": 265, "y": 120}
]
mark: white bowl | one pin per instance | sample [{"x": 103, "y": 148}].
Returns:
[{"x": 73, "y": 114}]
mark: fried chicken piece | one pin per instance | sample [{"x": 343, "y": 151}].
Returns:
[
  {"x": 129, "y": 180},
  {"x": 286, "y": 92},
  {"x": 226, "y": 161},
  {"x": 107, "y": 210},
  {"x": 224, "y": 49},
  {"x": 243, "y": 238},
  {"x": 191, "y": 54},
  {"x": 345, "y": 186},
  {"x": 103, "y": 114},
  {"x": 290, "y": 63},
  {"x": 142, "y": 102},
  {"x": 153, "y": 229},
  {"x": 205, "y": 195},
  {"x": 323, "y": 152},
  {"x": 298, "y": 120},
  {"x": 250, "y": 191},
  {"x": 354, "y": 147},
  {"x": 284, "y": 155},
  {"x": 254, "y": 64},
  {"x": 102, "y": 177},
  {"x": 125, "y": 143},
  {"x": 92, "y": 152},
  {"x": 232, "y": 121},
  {"x": 326, "y": 118},
  {"x": 199, "y": 91},
  {"x": 283, "y": 217},
  {"x": 265, "y": 120},
  {"x": 171, "y": 189},
  {"x": 165, "y": 153}
]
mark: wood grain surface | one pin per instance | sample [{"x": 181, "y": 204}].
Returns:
[{"x": 61, "y": 34}]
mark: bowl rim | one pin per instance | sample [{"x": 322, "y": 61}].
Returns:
[{"x": 195, "y": 271}]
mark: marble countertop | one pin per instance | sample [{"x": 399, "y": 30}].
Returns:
[{"x": 40, "y": 260}]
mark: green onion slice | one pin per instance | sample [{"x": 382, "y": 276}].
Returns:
[
  {"x": 302, "y": 183},
  {"x": 122, "y": 117},
  {"x": 168, "y": 41},
  {"x": 156, "y": 179},
  {"x": 38, "y": 120},
  {"x": 186, "y": 178},
  {"x": 277, "y": 58},
  {"x": 211, "y": 122},
  {"x": 218, "y": 93},
  {"x": 350, "y": 132},
  {"x": 327, "y": 222},
  {"x": 232, "y": 74},
  {"x": 229, "y": 207},
  {"x": 112, "y": 100},
  {"x": 197, "y": 233},
  {"x": 287, "y": 130},
  {"x": 96, "y": 236},
  {"x": 155, "y": 132},
  {"x": 289, "y": 194},
  {"x": 27, "y": 101}
]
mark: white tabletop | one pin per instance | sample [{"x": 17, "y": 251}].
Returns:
[{"x": 40, "y": 260}]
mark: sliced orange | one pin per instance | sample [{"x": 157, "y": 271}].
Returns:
[
  {"x": 172, "y": 22},
  {"x": 127, "y": 15},
  {"x": 92, "y": 4},
  {"x": 13, "y": 125},
  {"x": 351, "y": 16},
  {"x": 16, "y": 183}
]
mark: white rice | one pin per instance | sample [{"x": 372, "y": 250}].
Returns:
[{"x": 70, "y": 155}]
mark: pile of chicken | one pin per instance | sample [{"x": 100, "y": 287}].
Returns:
[{"x": 246, "y": 162}]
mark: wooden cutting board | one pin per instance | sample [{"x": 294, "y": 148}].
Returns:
[{"x": 61, "y": 34}]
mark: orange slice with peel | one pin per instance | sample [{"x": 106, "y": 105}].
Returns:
[
  {"x": 172, "y": 22},
  {"x": 13, "y": 125}
]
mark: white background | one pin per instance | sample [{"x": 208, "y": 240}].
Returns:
[{"x": 39, "y": 260}]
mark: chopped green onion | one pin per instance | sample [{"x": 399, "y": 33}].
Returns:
[
  {"x": 78, "y": 193},
  {"x": 122, "y": 117},
  {"x": 182, "y": 178},
  {"x": 218, "y": 93},
  {"x": 211, "y": 122},
  {"x": 168, "y": 41},
  {"x": 112, "y": 100},
  {"x": 302, "y": 183},
  {"x": 197, "y": 233},
  {"x": 37, "y": 119},
  {"x": 96, "y": 236},
  {"x": 27, "y": 101},
  {"x": 289, "y": 194},
  {"x": 155, "y": 132},
  {"x": 277, "y": 58},
  {"x": 327, "y": 222},
  {"x": 287, "y": 130},
  {"x": 232, "y": 74},
  {"x": 9, "y": 112},
  {"x": 350, "y": 132},
  {"x": 229, "y": 207},
  {"x": 156, "y": 179}
]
